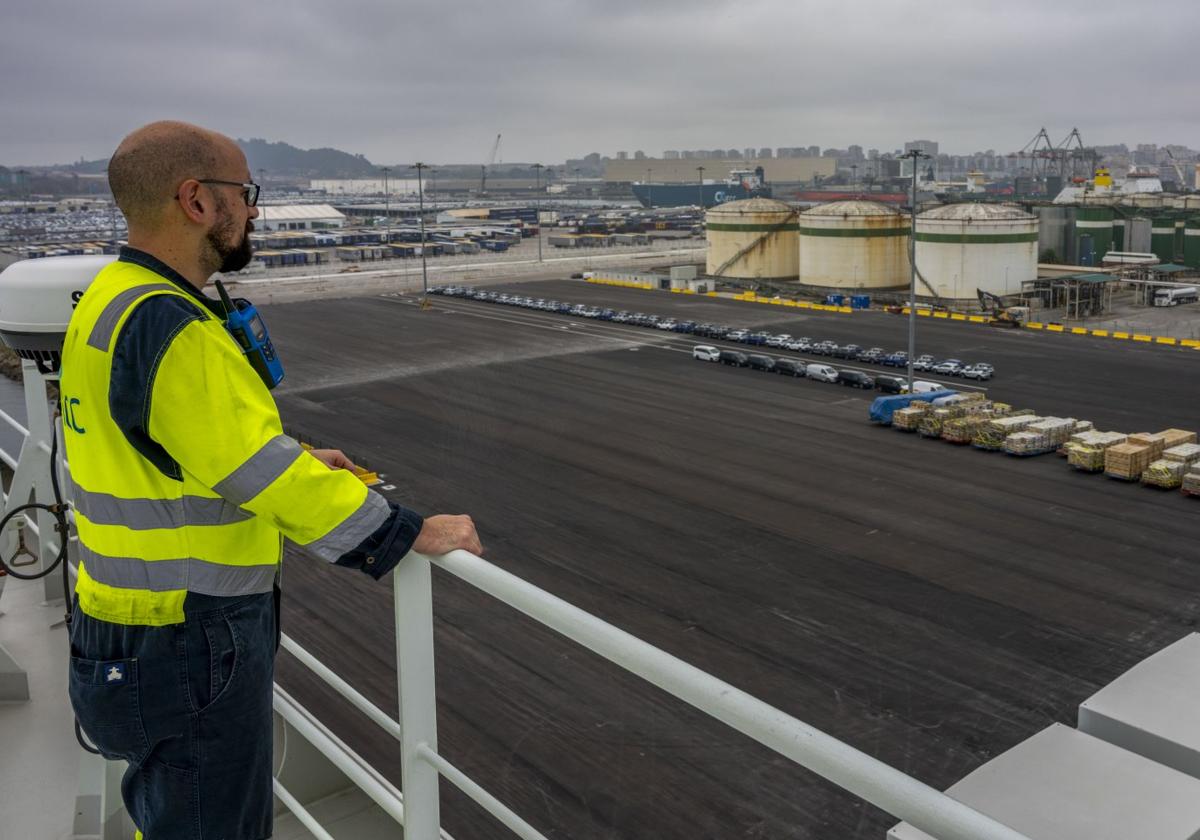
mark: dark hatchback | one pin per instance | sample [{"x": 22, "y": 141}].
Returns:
[
  {"x": 789, "y": 367},
  {"x": 855, "y": 379},
  {"x": 761, "y": 362},
  {"x": 734, "y": 357},
  {"x": 890, "y": 384}
]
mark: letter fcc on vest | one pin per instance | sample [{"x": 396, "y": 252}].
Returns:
[{"x": 201, "y": 498}]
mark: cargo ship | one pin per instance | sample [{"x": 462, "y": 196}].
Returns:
[{"x": 741, "y": 183}]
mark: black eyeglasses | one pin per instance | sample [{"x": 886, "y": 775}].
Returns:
[{"x": 249, "y": 190}]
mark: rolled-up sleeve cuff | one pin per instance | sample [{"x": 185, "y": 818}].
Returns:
[{"x": 379, "y": 553}]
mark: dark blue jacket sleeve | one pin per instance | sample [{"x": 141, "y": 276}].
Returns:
[{"x": 379, "y": 553}]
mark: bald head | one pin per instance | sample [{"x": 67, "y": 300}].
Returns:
[{"x": 150, "y": 163}]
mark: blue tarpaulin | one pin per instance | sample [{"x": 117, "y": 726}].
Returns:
[{"x": 883, "y": 407}]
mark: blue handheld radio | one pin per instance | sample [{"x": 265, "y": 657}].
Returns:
[{"x": 247, "y": 328}]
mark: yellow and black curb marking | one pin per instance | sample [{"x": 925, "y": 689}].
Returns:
[
  {"x": 1118, "y": 335},
  {"x": 748, "y": 297},
  {"x": 751, "y": 297}
]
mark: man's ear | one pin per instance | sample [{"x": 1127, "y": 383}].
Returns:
[{"x": 193, "y": 201}]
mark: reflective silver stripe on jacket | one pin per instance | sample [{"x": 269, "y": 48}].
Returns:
[
  {"x": 258, "y": 471},
  {"x": 147, "y": 514},
  {"x": 185, "y": 573},
  {"x": 352, "y": 530},
  {"x": 106, "y": 324}
]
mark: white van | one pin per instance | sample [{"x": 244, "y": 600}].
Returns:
[
  {"x": 821, "y": 373},
  {"x": 920, "y": 386},
  {"x": 706, "y": 353}
]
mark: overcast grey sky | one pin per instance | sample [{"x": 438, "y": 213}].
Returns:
[{"x": 401, "y": 81}]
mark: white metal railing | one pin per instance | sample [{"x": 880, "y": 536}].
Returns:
[{"x": 417, "y": 809}]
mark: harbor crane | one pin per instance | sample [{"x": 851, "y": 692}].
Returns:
[
  {"x": 483, "y": 170},
  {"x": 1178, "y": 170}
]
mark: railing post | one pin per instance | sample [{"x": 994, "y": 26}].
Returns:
[{"x": 413, "y": 590}]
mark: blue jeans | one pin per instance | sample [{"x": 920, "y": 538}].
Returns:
[{"x": 189, "y": 707}]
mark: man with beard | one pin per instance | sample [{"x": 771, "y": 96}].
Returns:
[{"x": 184, "y": 486}]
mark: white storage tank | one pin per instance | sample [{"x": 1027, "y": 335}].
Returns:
[
  {"x": 854, "y": 245},
  {"x": 1151, "y": 200},
  {"x": 755, "y": 238},
  {"x": 964, "y": 247}
]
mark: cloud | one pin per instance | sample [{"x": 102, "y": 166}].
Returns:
[{"x": 405, "y": 81}]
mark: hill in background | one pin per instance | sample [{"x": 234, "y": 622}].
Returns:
[{"x": 280, "y": 160}]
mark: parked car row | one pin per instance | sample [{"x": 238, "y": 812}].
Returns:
[
  {"x": 787, "y": 366},
  {"x": 722, "y": 332}
]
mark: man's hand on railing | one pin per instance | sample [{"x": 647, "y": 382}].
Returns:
[
  {"x": 335, "y": 459},
  {"x": 443, "y": 533}
]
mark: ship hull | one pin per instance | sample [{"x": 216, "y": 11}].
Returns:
[{"x": 686, "y": 195}]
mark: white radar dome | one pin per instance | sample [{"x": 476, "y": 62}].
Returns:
[{"x": 37, "y": 298}]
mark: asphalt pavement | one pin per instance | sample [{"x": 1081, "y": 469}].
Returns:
[{"x": 928, "y": 604}]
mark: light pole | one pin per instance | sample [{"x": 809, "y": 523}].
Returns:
[
  {"x": 700, "y": 170},
  {"x": 421, "y": 220},
  {"x": 537, "y": 206},
  {"x": 915, "y": 155},
  {"x": 649, "y": 189},
  {"x": 262, "y": 176},
  {"x": 387, "y": 209}
]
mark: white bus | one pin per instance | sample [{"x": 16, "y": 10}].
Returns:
[{"x": 1175, "y": 296}]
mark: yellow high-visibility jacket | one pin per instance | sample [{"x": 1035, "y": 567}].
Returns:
[{"x": 209, "y": 511}]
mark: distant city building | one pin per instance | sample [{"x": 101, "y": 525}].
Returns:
[
  {"x": 814, "y": 151},
  {"x": 764, "y": 152},
  {"x": 671, "y": 154},
  {"x": 622, "y": 155},
  {"x": 639, "y": 155},
  {"x": 929, "y": 147},
  {"x": 748, "y": 153}
]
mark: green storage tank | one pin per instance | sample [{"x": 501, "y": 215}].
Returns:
[
  {"x": 1191, "y": 242},
  {"x": 1118, "y": 229},
  {"x": 1162, "y": 236},
  {"x": 1096, "y": 222}
]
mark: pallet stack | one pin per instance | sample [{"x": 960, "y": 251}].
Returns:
[
  {"x": 1177, "y": 437},
  {"x": 1165, "y": 474},
  {"x": 1187, "y": 453},
  {"x": 1169, "y": 471},
  {"x": 1191, "y": 484},
  {"x": 962, "y": 430},
  {"x": 1127, "y": 461},
  {"x": 1155, "y": 441},
  {"x": 1046, "y": 435},
  {"x": 1085, "y": 450},
  {"x": 909, "y": 419},
  {"x": 933, "y": 421},
  {"x": 993, "y": 434}
]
